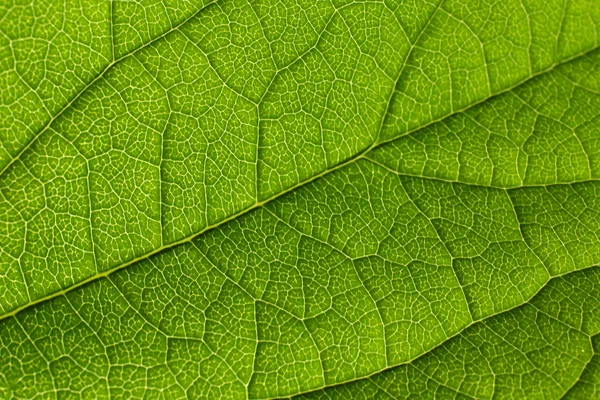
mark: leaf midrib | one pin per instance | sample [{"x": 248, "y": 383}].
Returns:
[{"x": 360, "y": 155}]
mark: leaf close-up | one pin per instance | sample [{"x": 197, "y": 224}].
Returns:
[{"x": 255, "y": 199}]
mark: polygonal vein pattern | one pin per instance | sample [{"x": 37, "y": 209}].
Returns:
[{"x": 326, "y": 199}]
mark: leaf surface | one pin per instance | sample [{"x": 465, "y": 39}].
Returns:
[{"x": 265, "y": 199}]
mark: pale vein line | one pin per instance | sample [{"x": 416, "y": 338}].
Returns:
[{"x": 96, "y": 79}]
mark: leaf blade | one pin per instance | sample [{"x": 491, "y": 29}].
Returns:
[{"x": 364, "y": 267}]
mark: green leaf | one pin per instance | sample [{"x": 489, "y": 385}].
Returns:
[
  {"x": 260, "y": 199},
  {"x": 538, "y": 350}
]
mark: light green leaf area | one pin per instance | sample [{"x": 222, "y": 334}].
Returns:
[{"x": 328, "y": 199}]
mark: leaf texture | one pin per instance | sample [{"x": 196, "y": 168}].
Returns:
[{"x": 265, "y": 199}]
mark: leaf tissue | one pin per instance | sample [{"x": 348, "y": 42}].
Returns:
[{"x": 317, "y": 199}]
